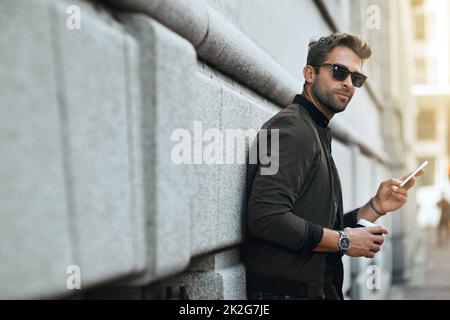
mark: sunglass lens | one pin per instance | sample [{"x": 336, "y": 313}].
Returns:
[
  {"x": 340, "y": 73},
  {"x": 358, "y": 80}
]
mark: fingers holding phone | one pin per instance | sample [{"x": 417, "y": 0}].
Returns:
[{"x": 408, "y": 181}]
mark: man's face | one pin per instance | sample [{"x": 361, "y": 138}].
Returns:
[{"x": 331, "y": 93}]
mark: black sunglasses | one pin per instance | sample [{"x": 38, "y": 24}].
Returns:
[{"x": 341, "y": 73}]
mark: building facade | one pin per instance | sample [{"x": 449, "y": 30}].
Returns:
[
  {"x": 98, "y": 93},
  {"x": 431, "y": 91}
]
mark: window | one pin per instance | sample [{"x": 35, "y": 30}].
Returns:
[
  {"x": 418, "y": 19},
  {"x": 421, "y": 71},
  {"x": 426, "y": 125},
  {"x": 416, "y": 3},
  {"x": 419, "y": 26}
]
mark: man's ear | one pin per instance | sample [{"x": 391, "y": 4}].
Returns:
[{"x": 308, "y": 73}]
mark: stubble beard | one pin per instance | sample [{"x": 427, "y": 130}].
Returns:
[{"x": 328, "y": 99}]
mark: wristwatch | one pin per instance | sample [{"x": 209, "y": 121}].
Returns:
[{"x": 343, "y": 242}]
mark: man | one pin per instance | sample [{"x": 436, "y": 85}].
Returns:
[
  {"x": 442, "y": 228},
  {"x": 295, "y": 217}
]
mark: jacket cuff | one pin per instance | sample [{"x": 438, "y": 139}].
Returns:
[
  {"x": 351, "y": 218},
  {"x": 315, "y": 234}
]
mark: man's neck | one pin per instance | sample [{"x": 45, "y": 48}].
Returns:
[{"x": 327, "y": 113}]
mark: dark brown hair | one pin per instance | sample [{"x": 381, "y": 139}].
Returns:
[{"x": 318, "y": 50}]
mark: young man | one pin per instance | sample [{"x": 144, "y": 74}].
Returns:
[{"x": 296, "y": 229}]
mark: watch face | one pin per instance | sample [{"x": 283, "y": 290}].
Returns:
[{"x": 345, "y": 243}]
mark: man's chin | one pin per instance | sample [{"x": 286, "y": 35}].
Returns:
[
  {"x": 338, "y": 107},
  {"x": 339, "y": 110}
]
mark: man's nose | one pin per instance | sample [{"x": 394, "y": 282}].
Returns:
[{"x": 348, "y": 82}]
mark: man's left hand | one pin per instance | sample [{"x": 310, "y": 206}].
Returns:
[{"x": 390, "y": 196}]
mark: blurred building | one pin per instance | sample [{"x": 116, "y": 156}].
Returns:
[
  {"x": 431, "y": 92},
  {"x": 92, "y": 111}
]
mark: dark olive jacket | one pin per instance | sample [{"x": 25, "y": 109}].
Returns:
[{"x": 285, "y": 210}]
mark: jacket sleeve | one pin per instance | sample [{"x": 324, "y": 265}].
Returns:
[
  {"x": 272, "y": 197},
  {"x": 350, "y": 218}
]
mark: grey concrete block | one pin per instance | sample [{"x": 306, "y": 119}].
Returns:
[
  {"x": 188, "y": 19},
  {"x": 192, "y": 286},
  {"x": 165, "y": 198},
  {"x": 228, "y": 283},
  {"x": 220, "y": 104},
  {"x": 95, "y": 102},
  {"x": 238, "y": 112},
  {"x": 35, "y": 237},
  {"x": 214, "y": 261},
  {"x": 226, "y": 48},
  {"x": 265, "y": 22},
  {"x": 219, "y": 43},
  {"x": 206, "y": 196},
  {"x": 232, "y": 283},
  {"x": 211, "y": 277}
]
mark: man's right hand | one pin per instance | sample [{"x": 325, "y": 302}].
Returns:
[{"x": 365, "y": 242}]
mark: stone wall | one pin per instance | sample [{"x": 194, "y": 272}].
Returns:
[{"x": 86, "y": 167}]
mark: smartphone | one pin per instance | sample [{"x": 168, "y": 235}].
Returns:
[
  {"x": 414, "y": 173},
  {"x": 365, "y": 223},
  {"x": 362, "y": 223}
]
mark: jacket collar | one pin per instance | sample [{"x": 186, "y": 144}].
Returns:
[{"x": 314, "y": 113}]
